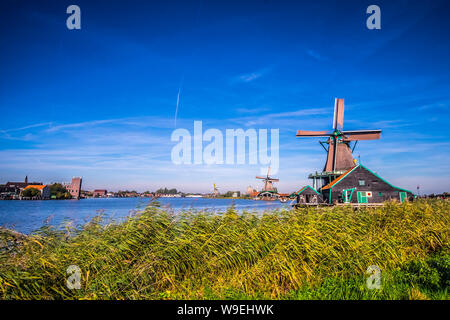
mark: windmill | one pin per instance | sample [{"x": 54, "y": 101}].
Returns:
[
  {"x": 339, "y": 152},
  {"x": 268, "y": 181},
  {"x": 216, "y": 191}
]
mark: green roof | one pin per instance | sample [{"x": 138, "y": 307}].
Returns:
[
  {"x": 271, "y": 191},
  {"x": 304, "y": 188}
]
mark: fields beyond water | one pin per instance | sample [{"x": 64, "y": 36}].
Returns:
[{"x": 315, "y": 253}]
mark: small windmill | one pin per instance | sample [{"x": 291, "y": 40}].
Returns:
[
  {"x": 268, "y": 181},
  {"x": 216, "y": 191},
  {"x": 339, "y": 153}
]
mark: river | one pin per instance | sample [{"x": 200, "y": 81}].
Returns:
[{"x": 27, "y": 216}]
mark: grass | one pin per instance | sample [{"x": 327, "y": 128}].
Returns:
[{"x": 311, "y": 253}]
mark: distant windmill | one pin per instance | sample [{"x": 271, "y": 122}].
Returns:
[
  {"x": 216, "y": 191},
  {"x": 268, "y": 181},
  {"x": 339, "y": 153}
]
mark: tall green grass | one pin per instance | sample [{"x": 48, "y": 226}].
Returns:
[{"x": 312, "y": 253}]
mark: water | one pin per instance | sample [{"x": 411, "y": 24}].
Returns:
[{"x": 27, "y": 216}]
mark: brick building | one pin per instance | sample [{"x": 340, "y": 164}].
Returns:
[
  {"x": 74, "y": 187},
  {"x": 99, "y": 193}
]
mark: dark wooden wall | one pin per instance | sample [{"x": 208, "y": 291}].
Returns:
[
  {"x": 309, "y": 194},
  {"x": 372, "y": 183}
]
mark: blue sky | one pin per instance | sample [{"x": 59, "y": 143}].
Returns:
[{"x": 100, "y": 102}]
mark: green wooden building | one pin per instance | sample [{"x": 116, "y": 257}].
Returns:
[{"x": 361, "y": 185}]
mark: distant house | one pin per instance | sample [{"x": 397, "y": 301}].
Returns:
[
  {"x": 8, "y": 192},
  {"x": 44, "y": 189},
  {"x": 99, "y": 193},
  {"x": 12, "y": 190},
  {"x": 308, "y": 195},
  {"x": 148, "y": 194},
  {"x": 18, "y": 185},
  {"x": 21, "y": 185},
  {"x": 360, "y": 185},
  {"x": 254, "y": 194},
  {"x": 268, "y": 195}
]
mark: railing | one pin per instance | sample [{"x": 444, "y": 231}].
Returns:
[{"x": 353, "y": 205}]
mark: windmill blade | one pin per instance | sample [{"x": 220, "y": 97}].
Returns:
[
  {"x": 274, "y": 180},
  {"x": 335, "y": 153},
  {"x": 307, "y": 133},
  {"x": 268, "y": 172},
  {"x": 330, "y": 155},
  {"x": 259, "y": 177},
  {"x": 362, "y": 135},
  {"x": 338, "y": 118}
]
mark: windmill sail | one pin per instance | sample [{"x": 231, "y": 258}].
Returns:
[
  {"x": 305, "y": 133},
  {"x": 339, "y": 154},
  {"x": 338, "y": 118},
  {"x": 362, "y": 135}
]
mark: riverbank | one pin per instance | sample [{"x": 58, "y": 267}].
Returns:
[
  {"x": 10, "y": 239},
  {"x": 311, "y": 253}
]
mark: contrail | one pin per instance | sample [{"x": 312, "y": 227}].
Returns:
[
  {"x": 176, "y": 110},
  {"x": 178, "y": 101}
]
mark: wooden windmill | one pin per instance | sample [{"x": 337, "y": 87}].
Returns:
[
  {"x": 268, "y": 181},
  {"x": 216, "y": 191},
  {"x": 339, "y": 153}
]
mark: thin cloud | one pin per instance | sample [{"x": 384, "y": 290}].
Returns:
[
  {"x": 42, "y": 124},
  {"x": 442, "y": 105},
  {"x": 252, "y": 110},
  {"x": 250, "y": 77},
  {"x": 315, "y": 55},
  {"x": 80, "y": 125},
  {"x": 289, "y": 115}
]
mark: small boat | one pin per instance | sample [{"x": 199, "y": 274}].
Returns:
[{"x": 283, "y": 197}]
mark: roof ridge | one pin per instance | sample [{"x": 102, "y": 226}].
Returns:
[{"x": 332, "y": 183}]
